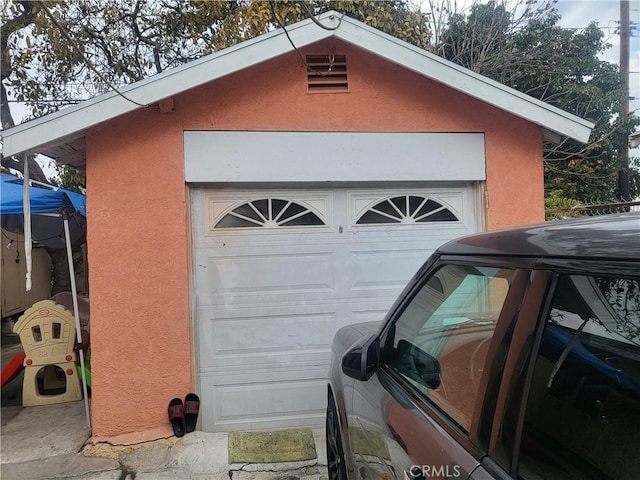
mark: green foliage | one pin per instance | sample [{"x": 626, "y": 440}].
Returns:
[
  {"x": 568, "y": 74},
  {"x": 623, "y": 296},
  {"x": 70, "y": 178},
  {"x": 478, "y": 40},
  {"x": 534, "y": 55},
  {"x": 557, "y": 207},
  {"x": 394, "y": 17}
]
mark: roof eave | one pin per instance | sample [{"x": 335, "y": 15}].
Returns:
[
  {"x": 71, "y": 123},
  {"x": 461, "y": 79}
]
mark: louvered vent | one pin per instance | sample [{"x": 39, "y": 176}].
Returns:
[{"x": 327, "y": 73}]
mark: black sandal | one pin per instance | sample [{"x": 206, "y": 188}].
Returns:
[
  {"x": 176, "y": 417},
  {"x": 191, "y": 411}
]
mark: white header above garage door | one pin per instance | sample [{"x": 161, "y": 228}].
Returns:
[{"x": 232, "y": 156}]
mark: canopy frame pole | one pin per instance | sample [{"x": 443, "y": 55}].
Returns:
[
  {"x": 74, "y": 294},
  {"x": 26, "y": 205}
]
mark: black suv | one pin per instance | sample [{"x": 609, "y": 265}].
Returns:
[{"x": 510, "y": 354}]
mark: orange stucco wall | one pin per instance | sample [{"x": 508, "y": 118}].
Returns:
[{"x": 138, "y": 229}]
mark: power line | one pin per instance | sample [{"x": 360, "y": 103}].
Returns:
[{"x": 315, "y": 20}]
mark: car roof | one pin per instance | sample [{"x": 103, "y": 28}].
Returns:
[{"x": 614, "y": 236}]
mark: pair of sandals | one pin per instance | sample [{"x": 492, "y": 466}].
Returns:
[{"x": 184, "y": 416}]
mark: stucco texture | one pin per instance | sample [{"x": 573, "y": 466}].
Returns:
[{"x": 139, "y": 244}]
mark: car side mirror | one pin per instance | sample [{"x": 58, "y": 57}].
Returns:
[{"x": 362, "y": 359}]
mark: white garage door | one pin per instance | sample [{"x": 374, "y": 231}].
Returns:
[{"x": 277, "y": 272}]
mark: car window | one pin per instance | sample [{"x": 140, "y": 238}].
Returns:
[
  {"x": 439, "y": 342},
  {"x": 582, "y": 416}
]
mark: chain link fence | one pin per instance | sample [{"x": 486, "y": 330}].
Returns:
[{"x": 593, "y": 210}]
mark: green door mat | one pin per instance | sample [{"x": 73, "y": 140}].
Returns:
[{"x": 272, "y": 447}]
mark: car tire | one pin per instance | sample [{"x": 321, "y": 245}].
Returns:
[{"x": 335, "y": 454}]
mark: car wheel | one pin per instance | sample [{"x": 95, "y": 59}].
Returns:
[{"x": 335, "y": 454}]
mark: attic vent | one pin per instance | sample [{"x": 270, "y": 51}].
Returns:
[{"x": 327, "y": 73}]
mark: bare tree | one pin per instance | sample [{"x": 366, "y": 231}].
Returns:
[{"x": 24, "y": 15}]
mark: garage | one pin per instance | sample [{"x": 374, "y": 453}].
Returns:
[
  {"x": 278, "y": 269},
  {"x": 228, "y": 293}
]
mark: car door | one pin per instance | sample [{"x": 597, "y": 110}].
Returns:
[
  {"x": 441, "y": 359},
  {"x": 573, "y": 411}
]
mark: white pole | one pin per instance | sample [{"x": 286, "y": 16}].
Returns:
[
  {"x": 26, "y": 208},
  {"x": 74, "y": 294}
]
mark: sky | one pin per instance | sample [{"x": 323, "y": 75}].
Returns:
[
  {"x": 575, "y": 14},
  {"x": 579, "y": 13}
]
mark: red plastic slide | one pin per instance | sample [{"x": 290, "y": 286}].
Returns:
[{"x": 13, "y": 368}]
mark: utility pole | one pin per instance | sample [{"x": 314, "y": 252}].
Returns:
[{"x": 624, "y": 177}]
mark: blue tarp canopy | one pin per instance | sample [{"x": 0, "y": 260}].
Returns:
[{"x": 47, "y": 230}]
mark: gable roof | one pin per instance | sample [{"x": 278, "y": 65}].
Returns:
[{"x": 61, "y": 134}]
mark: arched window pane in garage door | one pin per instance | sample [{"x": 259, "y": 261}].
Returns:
[
  {"x": 269, "y": 213},
  {"x": 406, "y": 209}
]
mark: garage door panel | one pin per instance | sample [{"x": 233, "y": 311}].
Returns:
[
  {"x": 276, "y": 400},
  {"x": 347, "y": 291},
  {"x": 373, "y": 315},
  {"x": 334, "y": 307},
  {"x": 267, "y": 405},
  {"x": 271, "y": 273},
  {"x": 266, "y": 398},
  {"x": 277, "y": 339},
  {"x": 271, "y": 423},
  {"x": 383, "y": 269},
  {"x": 223, "y": 286},
  {"x": 236, "y": 369},
  {"x": 400, "y": 238},
  {"x": 271, "y": 333},
  {"x": 305, "y": 277},
  {"x": 269, "y": 301}
]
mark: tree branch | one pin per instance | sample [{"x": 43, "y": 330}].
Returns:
[{"x": 35, "y": 171}]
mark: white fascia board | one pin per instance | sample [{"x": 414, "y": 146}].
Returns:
[
  {"x": 464, "y": 80},
  {"x": 71, "y": 122}
]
